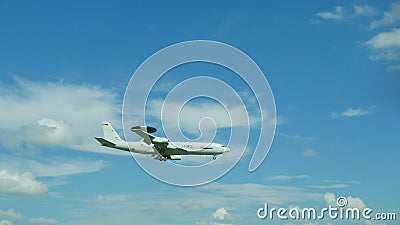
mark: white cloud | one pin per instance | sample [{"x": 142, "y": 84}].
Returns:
[
  {"x": 65, "y": 114},
  {"x": 5, "y": 222},
  {"x": 24, "y": 183},
  {"x": 309, "y": 153},
  {"x": 385, "y": 46},
  {"x": 330, "y": 199},
  {"x": 336, "y": 14},
  {"x": 355, "y": 202},
  {"x": 353, "y": 112},
  {"x": 390, "y": 18},
  {"x": 42, "y": 220},
  {"x": 285, "y": 177},
  {"x": 352, "y": 202},
  {"x": 10, "y": 214},
  {"x": 220, "y": 217},
  {"x": 385, "y": 40},
  {"x": 220, "y": 213},
  {"x": 44, "y": 131}
]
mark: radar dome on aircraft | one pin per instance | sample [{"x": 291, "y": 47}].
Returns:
[{"x": 144, "y": 128}]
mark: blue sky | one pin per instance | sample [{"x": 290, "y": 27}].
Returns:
[{"x": 333, "y": 67}]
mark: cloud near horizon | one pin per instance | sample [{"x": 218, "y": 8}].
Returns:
[{"x": 20, "y": 183}]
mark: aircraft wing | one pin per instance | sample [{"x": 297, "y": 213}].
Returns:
[
  {"x": 161, "y": 145},
  {"x": 167, "y": 150}
]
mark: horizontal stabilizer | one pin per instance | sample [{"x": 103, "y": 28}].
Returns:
[{"x": 104, "y": 142}]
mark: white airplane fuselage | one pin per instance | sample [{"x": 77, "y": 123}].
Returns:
[
  {"x": 177, "y": 148},
  {"x": 160, "y": 148}
]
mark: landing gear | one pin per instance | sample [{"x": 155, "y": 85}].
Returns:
[
  {"x": 161, "y": 158},
  {"x": 214, "y": 157}
]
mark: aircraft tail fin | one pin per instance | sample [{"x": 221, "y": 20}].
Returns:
[{"x": 110, "y": 134}]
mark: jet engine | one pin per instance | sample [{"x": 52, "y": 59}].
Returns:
[{"x": 160, "y": 140}]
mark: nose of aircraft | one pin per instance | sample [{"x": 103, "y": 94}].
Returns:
[{"x": 225, "y": 150}]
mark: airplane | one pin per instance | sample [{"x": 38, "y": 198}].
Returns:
[{"x": 159, "y": 148}]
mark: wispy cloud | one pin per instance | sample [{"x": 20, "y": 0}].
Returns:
[
  {"x": 336, "y": 14},
  {"x": 286, "y": 177},
  {"x": 342, "y": 181},
  {"x": 353, "y": 112},
  {"x": 341, "y": 13},
  {"x": 296, "y": 137},
  {"x": 390, "y": 17},
  {"x": 42, "y": 220},
  {"x": 309, "y": 153},
  {"x": 332, "y": 186},
  {"x": 191, "y": 205},
  {"x": 50, "y": 167},
  {"x": 364, "y": 10},
  {"x": 5, "y": 222},
  {"x": 10, "y": 214}
]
